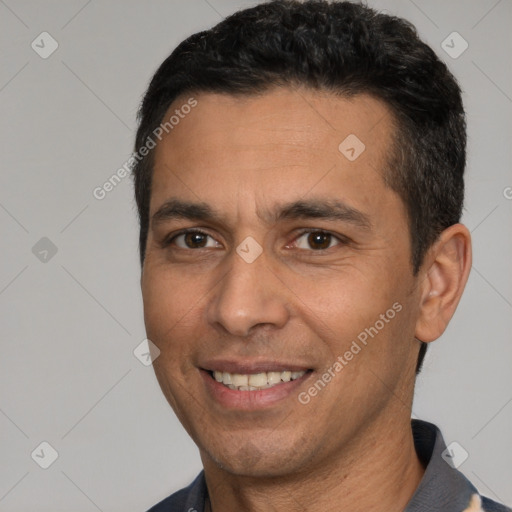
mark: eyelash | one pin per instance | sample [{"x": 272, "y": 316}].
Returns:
[{"x": 341, "y": 239}]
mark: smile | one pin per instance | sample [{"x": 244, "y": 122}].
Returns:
[{"x": 255, "y": 381}]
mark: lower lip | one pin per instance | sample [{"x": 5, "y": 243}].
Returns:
[{"x": 251, "y": 400}]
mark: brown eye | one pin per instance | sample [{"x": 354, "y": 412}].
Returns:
[
  {"x": 316, "y": 240},
  {"x": 319, "y": 240},
  {"x": 193, "y": 240}
]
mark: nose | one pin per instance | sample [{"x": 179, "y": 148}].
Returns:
[{"x": 249, "y": 295}]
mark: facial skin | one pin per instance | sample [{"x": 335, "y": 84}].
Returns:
[{"x": 295, "y": 306}]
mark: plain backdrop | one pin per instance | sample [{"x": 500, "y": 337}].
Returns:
[{"x": 71, "y": 311}]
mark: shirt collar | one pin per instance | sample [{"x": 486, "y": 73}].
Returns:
[{"x": 442, "y": 487}]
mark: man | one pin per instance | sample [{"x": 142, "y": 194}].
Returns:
[{"x": 299, "y": 180}]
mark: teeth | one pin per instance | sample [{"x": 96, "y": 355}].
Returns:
[
  {"x": 240, "y": 380},
  {"x": 255, "y": 381},
  {"x": 274, "y": 378},
  {"x": 258, "y": 380},
  {"x": 286, "y": 376}
]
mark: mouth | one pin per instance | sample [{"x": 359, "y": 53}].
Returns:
[
  {"x": 251, "y": 385},
  {"x": 255, "y": 381}
]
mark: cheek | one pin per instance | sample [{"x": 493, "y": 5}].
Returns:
[
  {"x": 174, "y": 312},
  {"x": 345, "y": 300},
  {"x": 363, "y": 317},
  {"x": 165, "y": 303}
]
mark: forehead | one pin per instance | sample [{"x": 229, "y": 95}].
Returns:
[
  {"x": 283, "y": 142},
  {"x": 314, "y": 118}
]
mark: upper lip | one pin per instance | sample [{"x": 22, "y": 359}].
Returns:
[{"x": 248, "y": 366}]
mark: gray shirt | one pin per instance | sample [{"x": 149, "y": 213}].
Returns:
[{"x": 442, "y": 488}]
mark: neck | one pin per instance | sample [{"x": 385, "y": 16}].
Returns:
[{"x": 380, "y": 472}]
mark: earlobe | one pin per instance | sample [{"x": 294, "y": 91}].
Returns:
[{"x": 446, "y": 270}]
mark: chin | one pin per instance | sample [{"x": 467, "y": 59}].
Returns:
[{"x": 247, "y": 458}]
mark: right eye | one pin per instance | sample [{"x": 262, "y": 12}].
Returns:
[{"x": 192, "y": 239}]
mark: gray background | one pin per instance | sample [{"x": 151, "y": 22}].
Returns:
[{"x": 70, "y": 323}]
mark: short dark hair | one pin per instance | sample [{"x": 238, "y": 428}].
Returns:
[{"x": 347, "y": 49}]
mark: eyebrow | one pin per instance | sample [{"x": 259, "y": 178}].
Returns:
[
  {"x": 329, "y": 209},
  {"x": 326, "y": 209}
]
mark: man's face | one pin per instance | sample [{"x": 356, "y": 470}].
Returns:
[{"x": 327, "y": 259}]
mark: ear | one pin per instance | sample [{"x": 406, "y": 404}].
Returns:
[{"x": 443, "y": 278}]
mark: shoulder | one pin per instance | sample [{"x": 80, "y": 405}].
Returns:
[
  {"x": 443, "y": 486},
  {"x": 489, "y": 505},
  {"x": 482, "y": 504}
]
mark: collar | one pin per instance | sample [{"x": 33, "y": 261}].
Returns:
[{"x": 442, "y": 487}]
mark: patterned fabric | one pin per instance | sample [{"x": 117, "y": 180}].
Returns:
[
  {"x": 442, "y": 488},
  {"x": 475, "y": 505}
]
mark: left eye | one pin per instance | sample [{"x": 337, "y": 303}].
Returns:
[{"x": 316, "y": 240}]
